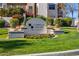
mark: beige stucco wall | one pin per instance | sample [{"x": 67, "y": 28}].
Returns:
[{"x": 42, "y": 9}]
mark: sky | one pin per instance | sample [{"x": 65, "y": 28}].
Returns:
[{"x": 75, "y": 14}]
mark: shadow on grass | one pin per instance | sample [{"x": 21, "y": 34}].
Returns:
[
  {"x": 3, "y": 33},
  {"x": 13, "y": 44}
]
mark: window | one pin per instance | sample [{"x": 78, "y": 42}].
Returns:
[
  {"x": 30, "y": 7},
  {"x": 0, "y": 5},
  {"x": 51, "y": 6}
]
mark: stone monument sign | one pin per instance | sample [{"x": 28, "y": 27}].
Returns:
[{"x": 35, "y": 26}]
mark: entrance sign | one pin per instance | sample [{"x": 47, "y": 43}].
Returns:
[{"x": 35, "y": 26}]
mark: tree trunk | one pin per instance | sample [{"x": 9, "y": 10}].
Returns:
[
  {"x": 34, "y": 10},
  {"x": 60, "y": 9}
]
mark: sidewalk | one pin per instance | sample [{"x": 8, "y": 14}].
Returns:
[{"x": 61, "y": 53}]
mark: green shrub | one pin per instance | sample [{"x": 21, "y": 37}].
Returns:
[
  {"x": 50, "y": 21},
  {"x": 8, "y": 12},
  {"x": 67, "y": 21},
  {"x": 2, "y": 23},
  {"x": 2, "y": 12},
  {"x": 28, "y": 18},
  {"x": 63, "y": 22},
  {"x": 14, "y": 22},
  {"x": 42, "y": 17},
  {"x": 19, "y": 17},
  {"x": 58, "y": 21},
  {"x": 40, "y": 36}
]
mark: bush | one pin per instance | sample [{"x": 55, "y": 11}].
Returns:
[
  {"x": 42, "y": 36},
  {"x": 58, "y": 21},
  {"x": 14, "y": 22},
  {"x": 19, "y": 17},
  {"x": 67, "y": 21},
  {"x": 8, "y": 12},
  {"x": 2, "y": 23},
  {"x": 63, "y": 22},
  {"x": 41, "y": 17},
  {"x": 2, "y": 12},
  {"x": 28, "y": 18},
  {"x": 50, "y": 21}
]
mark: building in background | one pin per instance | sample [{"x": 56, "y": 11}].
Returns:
[{"x": 52, "y": 10}]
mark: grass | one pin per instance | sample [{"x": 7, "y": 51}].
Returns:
[
  {"x": 20, "y": 46},
  {"x": 3, "y": 33}
]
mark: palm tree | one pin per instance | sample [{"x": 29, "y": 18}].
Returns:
[
  {"x": 64, "y": 5},
  {"x": 62, "y": 9}
]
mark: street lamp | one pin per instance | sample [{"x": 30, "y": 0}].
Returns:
[{"x": 24, "y": 22}]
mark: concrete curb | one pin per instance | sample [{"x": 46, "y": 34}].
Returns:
[{"x": 61, "y": 53}]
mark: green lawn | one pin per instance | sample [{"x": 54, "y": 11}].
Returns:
[
  {"x": 20, "y": 46},
  {"x": 3, "y": 33}
]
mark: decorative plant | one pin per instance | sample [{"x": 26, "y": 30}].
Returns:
[
  {"x": 2, "y": 12},
  {"x": 42, "y": 17},
  {"x": 2, "y": 23},
  {"x": 14, "y": 22},
  {"x": 67, "y": 21},
  {"x": 50, "y": 21},
  {"x": 58, "y": 22}
]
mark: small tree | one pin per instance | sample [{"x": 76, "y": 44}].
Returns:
[{"x": 14, "y": 22}]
